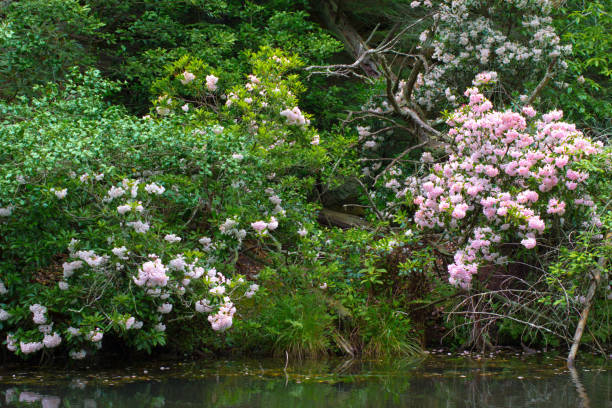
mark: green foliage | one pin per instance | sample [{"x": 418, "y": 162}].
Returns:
[
  {"x": 230, "y": 145},
  {"x": 64, "y": 151},
  {"x": 41, "y": 40},
  {"x": 570, "y": 277},
  {"x": 304, "y": 326},
  {"x": 587, "y": 100},
  {"x": 388, "y": 332},
  {"x": 132, "y": 41}
]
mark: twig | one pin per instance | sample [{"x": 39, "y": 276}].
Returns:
[
  {"x": 374, "y": 208},
  {"x": 547, "y": 77},
  {"x": 402, "y": 154}
]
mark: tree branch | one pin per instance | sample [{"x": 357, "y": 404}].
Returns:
[{"x": 547, "y": 77}]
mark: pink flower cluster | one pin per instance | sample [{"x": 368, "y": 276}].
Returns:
[
  {"x": 31, "y": 347},
  {"x": 152, "y": 273},
  {"x": 211, "y": 82},
  {"x": 497, "y": 161},
  {"x": 223, "y": 319},
  {"x": 295, "y": 117},
  {"x": 261, "y": 227},
  {"x": 187, "y": 77}
]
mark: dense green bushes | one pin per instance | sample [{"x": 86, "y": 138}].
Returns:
[
  {"x": 135, "y": 209},
  {"x": 133, "y": 41},
  {"x": 202, "y": 211}
]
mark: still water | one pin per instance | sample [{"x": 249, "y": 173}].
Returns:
[{"x": 428, "y": 381}]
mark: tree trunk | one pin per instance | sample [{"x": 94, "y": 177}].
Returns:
[
  {"x": 595, "y": 279},
  {"x": 342, "y": 220},
  {"x": 337, "y": 22}
]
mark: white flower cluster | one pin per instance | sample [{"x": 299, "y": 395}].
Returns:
[
  {"x": 295, "y": 117},
  {"x": 465, "y": 41}
]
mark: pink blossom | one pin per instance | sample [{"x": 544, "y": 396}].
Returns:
[
  {"x": 427, "y": 157},
  {"x": 536, "y": 223},
  {"x": 33, "y": 347},
  {"x": 95, "y": 335},
  {"x": 294, "y": 116},
  {"x": 122, "y": 209},
  {"x": 38, "y": 312},
  {"x": 4, "y": 315},
  {"x": 139, "y": 226},
  {"x": 51, "y": 341},
  {"x": 187, "y": 77},
  {"x": 459, "y": 211},
  {"x": 115, "y": 192},
  {"x": 178, "y": 263},
  {"x": 120, "y": 252},
  {"x": 211, "y": 82},
  {"x": 259, "y": 226},
  {"x": 561, "y": 161},
  {"x": 60, "y": 194},
  {"x": 217, "y": 290},
  {"x": 527, "y": 196},
  {"x": 529, "y": 243},
  {"x": 154, "y": 189},
  {"x": 203, "y": 306},
  {"x": 70, "y": 267},
  {"x": 129, "y": 322},
  {"x": 494, "y": 158},
  {"x": 529, "y": 111},
  {"x": 172, "y": 238},
  {"x": 223, "y": 319},
  {"x": 555, "y": 207},
  {"x": 165, "y": 308},
  {"x": 273, "y": 224},
  {"x": 152, "y": 273},
  {"x": 11, "y": 343}
]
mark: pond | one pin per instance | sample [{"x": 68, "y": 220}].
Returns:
[{"x": 433, "y": 380}]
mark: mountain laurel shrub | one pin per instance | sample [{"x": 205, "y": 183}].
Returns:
[{"x": 123, "y": 226}]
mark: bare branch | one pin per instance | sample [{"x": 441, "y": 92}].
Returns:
[
  {"x": 386, "y": 46},
  {"x": 373, "y": 206},
  {"x": 394, "y": 161},
  {"x": 547, "y": 77}
]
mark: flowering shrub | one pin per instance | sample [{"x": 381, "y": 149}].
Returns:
[
  {"x": 114, "y": 225},
  {"x": 129, "y": 287},
  {"x": 265, "y": 107},
  {"x": 449, "y": 42},
  {"x": 516, "y": 38},
  {"x": 508, "y": 176}
]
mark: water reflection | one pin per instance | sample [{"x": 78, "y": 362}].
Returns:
[
  {"x": 431, "y": 382},
  {"x": 582, "y": 394}
]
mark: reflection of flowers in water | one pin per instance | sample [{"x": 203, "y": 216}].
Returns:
[
  {"x": 9, "y": 395},
  {"x": 13, "y": 395},
  {"x": 51, "y": 402},
  {"x": 16, "y": 397},
  {"x": 89, "y": 403},
  {"x": 29, "y": 397},
  {"x": 77, "y": 383}
]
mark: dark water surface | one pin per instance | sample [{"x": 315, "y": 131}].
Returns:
[{"x": 431, "y": 381}]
